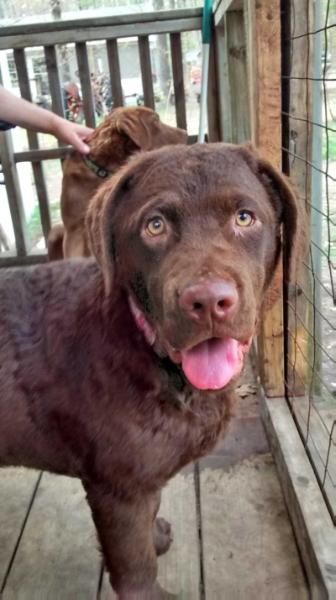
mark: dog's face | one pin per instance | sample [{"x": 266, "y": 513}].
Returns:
[
  {"x": 193, "y": 235},
  {"x": 129, "y": 129}
]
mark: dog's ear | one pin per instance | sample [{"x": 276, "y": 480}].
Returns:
[
  {"x": 99, "y": 219},
  {"x": 293, "y": 217},
  {"x": 139, "y": 128},
  {"x": 291, "y": 214}
]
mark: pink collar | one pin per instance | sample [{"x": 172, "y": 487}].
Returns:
[{"x": 141, "y": 322}]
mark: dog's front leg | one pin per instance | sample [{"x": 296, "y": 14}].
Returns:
[{"x": 125, "y": 530}]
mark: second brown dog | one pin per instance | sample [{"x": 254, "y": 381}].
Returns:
[{"x": 123, "y": 132}]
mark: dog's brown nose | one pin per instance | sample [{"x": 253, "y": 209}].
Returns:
[{"x": 214, "y": 299}]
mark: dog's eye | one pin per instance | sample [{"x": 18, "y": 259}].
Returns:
[
  {"x": 244, "y": 218},
  {"x": 156, "y": 226}
]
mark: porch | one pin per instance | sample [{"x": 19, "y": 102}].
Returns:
[{"x": 232, "y": 535}]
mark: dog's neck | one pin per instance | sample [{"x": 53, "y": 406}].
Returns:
[{"x": 95, "y": 167}]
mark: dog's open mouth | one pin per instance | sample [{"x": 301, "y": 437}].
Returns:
[{"x": 212, "y": 364}]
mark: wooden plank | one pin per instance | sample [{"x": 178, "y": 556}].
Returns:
[
  {"x": 223, "y": 7},
  {"x": 85, "y": 79},
  {"x": 114, "y": 68},
  {"x": 146, "y": 71},
  {"x": 54, "y": 80},
  {"x": 179, "y": 568},
  {"x": 57, "y": 557},
  {"x": 298, "y": 102},
  {"x": 86, "y": 34},
  {"x": 248, "y": 546},
  {"x": 177, "y": 68},
  {"x": 318, "y": 444},
  {"x": 17, "y": 487},
  {"x": 237, "y": 74},
  {"x": 9, "y": 260},
  {"x": 251, "y": 62},
  {"x": 213, "y": 99},
  {"x": 13, "y": 193},
  {"x": 222, "y": 79},
  {"x": 313, "y": 526},
  {"x": 264, "y": 43},
  {"x": 39, "y": 155},
  {"x": 135, "y": 18},
  {"x": 40, "y": 184}
]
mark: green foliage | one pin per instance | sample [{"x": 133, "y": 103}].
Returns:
[{"x": 329, "y": 142}]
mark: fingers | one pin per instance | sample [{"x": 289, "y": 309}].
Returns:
[{"x": 79, "y": 134}]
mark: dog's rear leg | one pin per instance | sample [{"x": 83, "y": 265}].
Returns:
[{"x": 125, "y": 530}]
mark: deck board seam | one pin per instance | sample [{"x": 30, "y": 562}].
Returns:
[{"x": 23, "y": 526}]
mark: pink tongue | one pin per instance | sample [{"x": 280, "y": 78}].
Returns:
[{"x": 212, "y": 364}]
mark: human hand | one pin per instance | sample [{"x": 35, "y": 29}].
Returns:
[{"x": 72, "y": 133}]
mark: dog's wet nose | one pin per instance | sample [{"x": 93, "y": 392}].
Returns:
[{"x": 206, "y": 300}]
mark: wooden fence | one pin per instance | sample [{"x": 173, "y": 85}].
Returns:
[
  {"x": 52, "y": 34},
  {"x": 244, "y": 103}
]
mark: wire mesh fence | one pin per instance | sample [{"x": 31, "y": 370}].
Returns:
[{"x": 309, "y": 157}]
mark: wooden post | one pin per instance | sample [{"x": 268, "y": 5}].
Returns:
[
  {"x": 298, "y": 144},
  {"x": 214, "y": 128},
  {"x": 236, "y": 66},
  {"x": 41, "y": 188},
  {"x": 146, "y": 71},
  {"x": 13, "y": 193},
  {"x": 114, "y": 68},
  {"x": 177, "y": 67},
  {"x": 264, "y": 47},
  {"x": 85, "y": 79}
]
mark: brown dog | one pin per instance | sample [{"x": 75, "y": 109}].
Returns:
[
  {"x": 123, "y": 132},
  {"x": 122, "y": 375}
]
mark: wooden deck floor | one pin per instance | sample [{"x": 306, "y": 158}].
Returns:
[{"x": 232, "y": 537}]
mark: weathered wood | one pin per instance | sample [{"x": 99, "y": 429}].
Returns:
[
  {"x": 97, "y": 22},
  {"x": 146, "y": 71},
  {"x": 213, "y": 99},
  {"x": 13, "y": 193},
  {"x": 237, "y": 74},
  {"x": 86, "y": 34},
  {"x": 264, "y": 42},
  {"x": 299, "y": 142},
  {"x": 9, "y": 260},
  {"x": 85, "y": 79},
  {"x": 40, "y": 184},
  {"x": 222, "y": 7},
  {"x": 236, "y": 115},
  {"x": 54, "y": 80},
  {"x": 177, "y": 68},
  {"x": 314, "y": 529},
  {"x": 114, "y": 68},
  {"x": 57, "y": 557},
  {"x": 222, "y": 79},
  {"x": 179, "y": 569},
  {"x": 248, "y": 545},
  {"x": 251, "y": 62},
  {"x": 39, "y": 155},
  {"x": 319, "y": 446},
  {"x": 17, "y": 488}
]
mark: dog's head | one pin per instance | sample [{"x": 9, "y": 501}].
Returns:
[
  {"x": 129, "y": 129},
  {"x": 194, "y": 236}
]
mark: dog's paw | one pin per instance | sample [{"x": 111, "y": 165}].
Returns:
[{"x": 163, "y": 535}]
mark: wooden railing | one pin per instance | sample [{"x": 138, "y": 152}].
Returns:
[{"x": 51, "y": 34}]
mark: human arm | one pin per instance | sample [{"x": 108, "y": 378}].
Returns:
[{"x": 25, "y": 114}]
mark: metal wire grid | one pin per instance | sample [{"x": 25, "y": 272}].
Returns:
[{"x": 309, "y": 157}]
